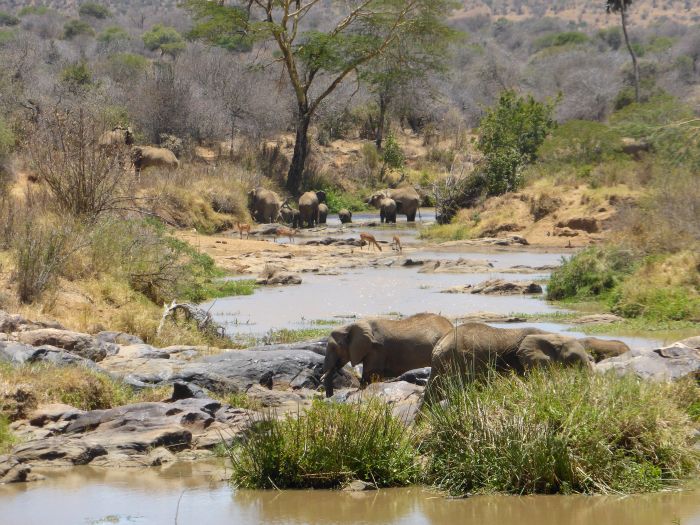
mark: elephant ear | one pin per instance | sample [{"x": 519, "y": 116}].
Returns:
[
  {"x": 340, "y": 340},
  {"x": 535, "y": 350},
  {"x": 360, "y": 341}
]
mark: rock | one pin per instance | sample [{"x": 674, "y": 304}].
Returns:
[
  {"x": 58, "y": 450},
  {"x": 457, "y": 266},
  {"x": 76, "y": 343},
  {"x": 418, "y": 376},
  {"x": 523, "y": 268},
  {"x": 187, "y": 391},
  {"x": 565, "y": 232},
  {"x": 692, "y": 342},
  {"x": 511, "y": 240},
  {"x": 587, "y": 224},
  {"x": 12, "y": 471},
  {"x": 274, "y": 275},
  {"x": 403, "y": 397},
  {"x": 668, "y": 363},
  {"x": 10, "y": 322},
  {"x": 489, "y": 317},
  {"x": 17, "y": 354},
  {"x": 359, "y": 486},
  {"x": 53, "y": 413},
  {"x": 498, "y": 287},
  {"x": 414, "y": 262},
  {"x": 274, "y": 398},
  {"x": 634, "y": 147},
  {"x": 142, "y": 350},
  {"x": 119, "y": 338},
  {"x": 16, "y": 402},
  {"x": 598, "y": 319},
  {"x": 160, "y": 456}
]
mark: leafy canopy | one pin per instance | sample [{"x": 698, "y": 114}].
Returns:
[
  {"x": 94, "y": 10},
  {"x": 510, "y": 134},
  {"x": 165, "y": 39},
  {"x": 112, "y": 34},
  {"x": 74, "y": 28},
  {"x": 615, "y": 6}
]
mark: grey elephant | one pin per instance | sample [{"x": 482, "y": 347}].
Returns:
[
  {"x": 118, "y": 136},
  {"x": 308, "y": 207},
  {"x": 406, "y": 198},
  {"x": 322, "y": 213},
  {"x": 386, "y": 348},
  {"x": 289, "y": 215},
  {"x": 345, "y": 216},
  {"x": 473, "y": 349},
  {"x": 149, "y": 156},
  {"x": 387, "y": 207},
  {"x": 601, "y": 349},
  {"x": 264, "y": 205}
]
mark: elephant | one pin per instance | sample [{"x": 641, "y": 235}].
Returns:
[
  {"x": 345, "y": 216},
  {"x": 147, "y": 156},
  {"x": 308, "y": 206},
  {"x": 385, "y": 347},
  {"x": 322, "y": 213},
  {"x": 264, "y": 205},
  {"x": 289, "y": 215},
  {"x": 603, "y": 348},
  {"x": 119, "y": 136},
  {"x": 406, "y": 198},
  {"x": 387, "y": 211},
  {"x": 473, "y": 349}
]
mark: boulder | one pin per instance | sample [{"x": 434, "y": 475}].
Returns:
[
  {"x": 52, "y": 413},
  {"x": 57, "y": 450},
  {"x": 18, "y": 353},
  {"x": 119, "y": 338},
  {"x": 403, "y": 397},
  {"x": 498, "y": 287},
  {"x": 598, "y": 319},
  {"x": 457, "y": 266},
  {"x": 12, "y": 471},
  {"x": 16, "y": 402},
  {"x": 83, "y": 345},
  {"x": 587, "y": 224},
  {"x": 418, "y": 376},
  {"x": 10, "y": 322},
  {"x": 565, "y": 232},
  {"x": 359, "y": 486},
  {"x": 273, "y": 276},
  {"x": 668, "y": 363},
  {"x": 488, "y": 317}
]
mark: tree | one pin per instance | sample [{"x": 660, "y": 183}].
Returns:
[
  {"x": 316, "y": 62},
  {"x": 94, "y": 10},
  {"x": 167, "y": 40},
  {"x": 621, "y": 6},
  {"x": 75, "y": 27}
]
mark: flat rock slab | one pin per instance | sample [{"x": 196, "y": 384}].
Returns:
[
  {"x": 668, "y": 363},
  {"x": 498, "y": 287},
  {"x": 511, "y": 240},
  {"x": 20, "y": 353},
  {"x": 488, "y": 317},
  {"x": 598, "y": 319},
  {"x": 77, "y": 343},
  {"x": 456, "y": 266}
]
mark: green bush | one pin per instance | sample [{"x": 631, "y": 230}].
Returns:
[
  {"x": 612, "y": 36},
  {"x": 33, "y": 10},
  {"x": 510, "y": 134},
  {"x": 7, "y": 19},
  {"x": 74, "y": 28},
  {"x": 113, "y": 34},
  {"x": 124, "y": 67},
  {"x": 590, "y": 273},
  {"x": 77, "y": 75},
  {"x": 325, "y": 447},
  {"x": 7, "y": 439},
  {"x": 580, "y": 142},
  {"x": 569, "y": 38},
  {"x": 656, "y": 303},
  {"x": 337, "y": 200},
  {"x": 559, "y": 431},
  {"x": 392, "y": 154},
  {"x": 94, "y": 10},
  {"x": 167, "y": 40}
]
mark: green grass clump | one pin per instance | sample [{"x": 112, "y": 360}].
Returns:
[
  {"x": 215, "y": 289},
  {"x": 7, "y": 439},
  {"x": 560, "y": 431},
  {"x": 455, "y": 231},
  {"x": 336, "y": 201},
  {"x": 325, "y": 447},
  {"x": 287, "y": 336},
  {"x": 592, "y": 272}
]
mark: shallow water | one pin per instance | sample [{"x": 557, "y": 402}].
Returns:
[{"x": 86, "y": 495}]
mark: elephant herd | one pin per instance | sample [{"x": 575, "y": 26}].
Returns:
[
  {"x": 142, "y": 157},
  {"x": 266, "y": 206},
  {"x": 388, "y": 348}
]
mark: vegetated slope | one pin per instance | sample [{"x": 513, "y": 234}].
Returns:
[{"x": 592, "y": 12}]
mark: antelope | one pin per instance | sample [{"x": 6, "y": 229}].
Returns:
[
  {"x": 396, "y": 243},
  {"x": 369, "y": 240},
  {"x": 243, "y": 228},
  {"x": 285, "y": 232}
]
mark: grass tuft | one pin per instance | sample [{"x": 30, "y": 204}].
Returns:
[
  {"x": 325, "y": 447},
  {"x": 560, "y": 431}
]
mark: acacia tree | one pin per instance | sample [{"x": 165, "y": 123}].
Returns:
[
  {"x": 621, "y": 6},
  {"x": 316, "y": 62}
]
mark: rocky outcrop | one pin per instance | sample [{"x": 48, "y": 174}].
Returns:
[
  {"x": 598, "y": 319},
  {"x": 82, "y": 345},
  {"x": 498, "y": 287},
  {"x": 277, "y": 276},
  {"x": 511, "y": 240},
  {"x": 403, "y": 397},
  {"x": 18, "y": 354},
  {"x": 671, "y": 362},
  {"x": 456, "y": 266},
  {"x": 332, "y": 241},
  {"x": 586, "y": 224}
]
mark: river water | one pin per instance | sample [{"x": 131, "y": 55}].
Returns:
[{"x": 196, "y": 494}]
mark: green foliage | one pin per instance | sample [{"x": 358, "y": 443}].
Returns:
[
  {"x": 337, "y": 200},
  {"x": 326, "y": 446},
  {"x": 7, "y": 19},
  {"x": 7, "y": 138},
  {"x": 660, "y": 44},
  {"x": 590, "y": 273},
  {"x": 6, "y": 35},
  {"x": 76, "y": 27},
  {"x": 569, "y": 38},
  {"x": 165, "y": 39},
  {"x": 392, "y": 154},
  {"x": 33, "y": 10},
  {"x": 510, "y": 134},
  {"x": 94, "y": 10},
  {"x": 559, "y": 430},
  {"x": 612, "y": 36},
  {"x": 7, "y": 439},
  {"x": 124, "y": 67},
  {"x": 580, "y": 142},
  {"x": 220, "y": 25},
  {"x": 656, "y": 303},
  {"x": 77, "y": 74},
  {"x": 112, "y": 34}
]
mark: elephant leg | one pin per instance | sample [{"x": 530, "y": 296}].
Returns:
[{"x": 411, "y": 217}]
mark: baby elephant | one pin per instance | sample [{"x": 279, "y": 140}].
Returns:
[
  {"x": 472, "y": 349},
  {"x": 603, "y": 348},
  {"x": 386, "y": 348},
  {"x": 345, "y": 216}
]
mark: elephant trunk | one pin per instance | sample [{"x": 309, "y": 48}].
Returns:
[
  {"x": 328, "y": 382},
  {"x": 330, "y": 365}
]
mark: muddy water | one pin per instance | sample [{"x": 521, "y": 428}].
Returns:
[{"x": 86, "y": 495}]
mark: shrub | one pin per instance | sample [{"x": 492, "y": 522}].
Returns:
[
  {"x": 113, "y": 34},
  {"x": 125, "y": 67},
  {"x": 590, "y": 273},
  {"x": 7, "y": 440},
  {"x": 337, "y": 200},
  {"x": 580, "y": 142},
  {"x": 392, "y": 154},
  {"x": 569, "y": 38},
  {"x": 6, "y": 19},
  {"x": 559, "y": 431},
  {"x": 167, "y": 40},
  {"x": 94, "y": 10},
  {"x": 326, "y": 446},
  {"x": 510, "y": 134},
  {"x": 76, "y": 27},
  {"x": 77, "y": 75},
  {"x": 33, "y": 10}
]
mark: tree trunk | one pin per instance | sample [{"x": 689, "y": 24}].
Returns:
[
  {"x": 379, "y": 135},
  {"x": 623, "y": 16},
  {"x": 301, "y": 150}
]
